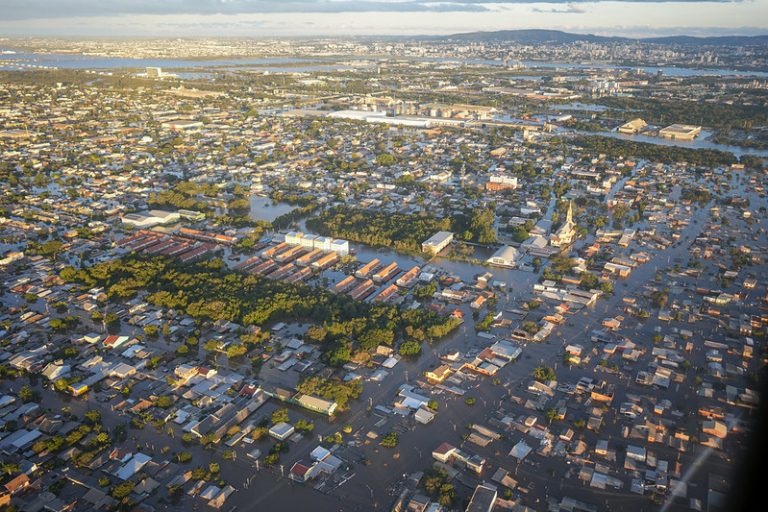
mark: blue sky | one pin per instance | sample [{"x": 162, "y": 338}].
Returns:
[{"x": 375, "y": 17}]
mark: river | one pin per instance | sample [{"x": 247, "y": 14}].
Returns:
[
  {"x": 293, "y": 64},
  {"x": 701, "y": 142}
]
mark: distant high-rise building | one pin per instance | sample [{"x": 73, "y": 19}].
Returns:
[{"x": 153, "y": 72}]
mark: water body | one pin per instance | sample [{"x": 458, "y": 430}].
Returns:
[
  {"x": 297, "y": 68},
  {"x": 71, "y": 61},
  {"x": 263, "y": 208},
  {"x": 652, "y": 70},
  {"x": 518, "y": 281},
  {"x": 589, "y": 107}
]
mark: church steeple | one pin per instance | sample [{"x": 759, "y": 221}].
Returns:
[{"x": 569, "y": 215}]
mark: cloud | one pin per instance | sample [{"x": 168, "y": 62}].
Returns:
[
  {"x": 569, "y": 9},
  {"x": 37, "y": 9}
]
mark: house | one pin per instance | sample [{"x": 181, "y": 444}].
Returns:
[
  {"x": 17, "y": 484},
  {"x": 424, "y": 416},
  {"x": 281, "y": 431},
  {"x": 439, "y": 374},
  {"x": 316, "y": 404},
  {"x": 483, "y": 499},
  {"x": 444, "y": 453},
  {"x": 303, "y": 472},
  {"x": 715, "y": 428}
]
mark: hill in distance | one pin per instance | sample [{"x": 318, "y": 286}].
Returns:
[{"x": 560, "y": 37}]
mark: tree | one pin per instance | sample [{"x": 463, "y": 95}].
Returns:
[
  {"x": 280, "y": 416},
  {"x": 92, "y": 416},
  {"x": 410, "y": 348},
  {"x": 211, "y": 345},
  {"x": 588, "y": 281},
  {"x": 303, "y": 425},
  {"x": 236, "y": 350},
  {"x": 122, "y": 490},
  {"x": 543, "y": 373},
  {"x": 385, "y": 159},
  {"x": 164, "y": 402},
  {"x": 26, "y": 394},
  {"x": 552, "y": 415},
  {"x": 481, "y": 225},
  {"x": 50, "y": 249},
  {"x": 61, "y": 385},
  {"x": 660, "y": 298},
  {"x": 390, "y": 440},
  {"x": 9, "y": 468}
]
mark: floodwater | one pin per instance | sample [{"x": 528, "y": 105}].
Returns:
[
  {"x": 652, "y": 70},
  {"x": 263, "y": 208},
  {"x": 701, "y": 142},
  {"x": 73, "y": 61}
]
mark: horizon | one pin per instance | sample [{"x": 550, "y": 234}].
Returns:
[
  {"x": 379, "y": 18},
  {"x": 693, "y": 33}
]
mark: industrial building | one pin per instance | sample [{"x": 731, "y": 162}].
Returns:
[
  {"x": 150, "y": 218},
  {"x": 505, "y": 256},
  {"x": 680, "y": 132},
  {"x": 498, "y": 182},
  {"x": 633, "y": 127},
  {"x": 437, "y": 242},
  {"x": 341, "y": 247}
]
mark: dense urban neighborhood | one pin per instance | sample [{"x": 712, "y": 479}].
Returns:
[{"x": 475, "y": 273}]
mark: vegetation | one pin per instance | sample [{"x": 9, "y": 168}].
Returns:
[
  {"x": 304, "y": 426},
  {"x": 615, "y": 148},
  {"x": 390, "y": 440},
  {"x": 716, "y": 115},
  {"x": 184, "y": 195},
  {"x": 403, "y": 232},
  {"x": 543, "y": 373},
  {"x": 280, "y": 416},
  {"x": 438, "y": 487},
  {"x": 331, "y": 389},
  {"x": 210, "y": 292},
  {"x": 696, "y": 195},
  {"x": 410, "y": 348},
  {"x": 378, "y": 229}
]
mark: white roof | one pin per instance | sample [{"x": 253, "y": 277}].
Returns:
[{"x": 520, "y": 450}]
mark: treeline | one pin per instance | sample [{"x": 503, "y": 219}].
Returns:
[
  {"x": 615, "y": 148},
  {"x": 184, "y": 195},
  {"x": 286, "y": 220},
  {"x": 715, "y": 115},
  {"x": 404, "y": 232},
  {"x": 209, "y": 291},
  {"x": 400, "y": 231}
]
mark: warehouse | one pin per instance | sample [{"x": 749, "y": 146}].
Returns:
[
  {"x": 437, "y": 242},
  {"x": 506, "y": 256}
]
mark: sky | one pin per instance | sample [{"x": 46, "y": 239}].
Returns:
[{"x": 269, "y": 18}]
